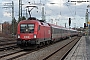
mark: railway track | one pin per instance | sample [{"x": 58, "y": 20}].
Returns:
[
  {"x": 62, "y": 52},
  {"x": 6, "y": 56},
  {"x": 6, "y": 39},
  {"x": 20, "y": 53},
  {"x": 16, "y": 54},
  {"x": 14, "y": 46},
  {"x": 7, "y": 45}
]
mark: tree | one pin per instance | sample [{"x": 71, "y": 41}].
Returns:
[
  {"x": 23, "y": 18},
  {"x": 6, "y": 27},
  {"x": 14, "y": 26}
]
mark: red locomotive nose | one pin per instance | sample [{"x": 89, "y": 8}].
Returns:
[{"x": 27, "y": 36}]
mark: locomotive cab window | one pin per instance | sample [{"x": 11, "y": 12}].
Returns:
[{"x": 27, "y": 28}]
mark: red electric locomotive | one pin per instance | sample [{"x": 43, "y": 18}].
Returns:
[{"x": 32, "y": 32}]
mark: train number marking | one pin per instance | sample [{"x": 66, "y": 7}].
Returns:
[{"x": 26, "y": 37}]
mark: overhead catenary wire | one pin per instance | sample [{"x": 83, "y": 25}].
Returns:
[{"x": 70, "y": 10}]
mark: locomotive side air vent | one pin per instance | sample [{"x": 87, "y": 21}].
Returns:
[{"x": 32, "y": 18}]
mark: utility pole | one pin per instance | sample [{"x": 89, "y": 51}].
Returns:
[
  {"x": 13, "y": 17},
  {"x": 87, "y": 28},
  {"x": 11, "y": 5},
  {"x": 65, "y": 25},
  {"x": 43, "y": 15},
  {"x": 26, "y": 14},
  {"x": 86, "y": 18},
  {"x": 20, "y": 10}
]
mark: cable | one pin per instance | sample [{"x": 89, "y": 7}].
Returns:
[{"x": 70, "y": 10}]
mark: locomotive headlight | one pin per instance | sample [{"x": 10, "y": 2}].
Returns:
[
  {"x": 34, "y": 35},
  {"x": 18, "y": 36}
]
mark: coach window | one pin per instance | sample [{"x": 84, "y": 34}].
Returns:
[{"x": 53, "y": 30}]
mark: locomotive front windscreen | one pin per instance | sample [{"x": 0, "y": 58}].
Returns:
[{"x": 27, "y": 28}]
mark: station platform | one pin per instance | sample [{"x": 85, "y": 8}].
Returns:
[{"x": 81, "y": 50}]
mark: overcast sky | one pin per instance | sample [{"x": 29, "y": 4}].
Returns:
[{"x": 59, "y": 12}]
